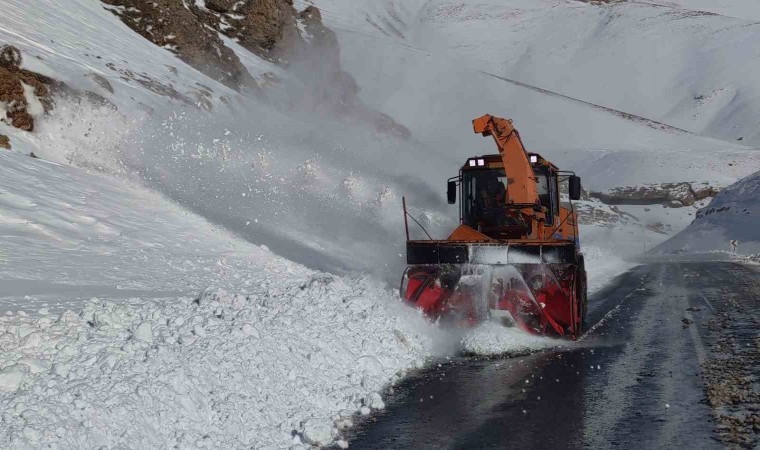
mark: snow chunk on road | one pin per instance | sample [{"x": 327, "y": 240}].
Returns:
[
  {"x": 144, "y": 332},
  {"x": 492, "y": 338},
  {"x": 11, "y": 377},
  {"x": 317, "y": 432}
]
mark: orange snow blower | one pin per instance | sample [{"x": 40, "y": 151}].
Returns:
[{"x": 515, "y": 256}]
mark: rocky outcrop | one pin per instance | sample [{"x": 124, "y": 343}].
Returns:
[
  {"x": 171, "y": 24},
  {"x": 27, "y": 95},
  {"x": 271, "y": 29},
  {"x": 300, "y": 42},
  {"x": 318, "y": 62},
  {"x": 595, "y": 213},
  {"x": 21, "y": 91},
  {"x": 709, "y": 210},
  {"x": 5, "y": 142},
  {"x": 267, "y": 28},
  {"x": 190, "y": 30},
  {"x": 673, "y": 195}
]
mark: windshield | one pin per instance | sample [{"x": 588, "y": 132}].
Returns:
[{"x": 485, "y": 196}]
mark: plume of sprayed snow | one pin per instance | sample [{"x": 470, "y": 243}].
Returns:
[
  {"x": 312, "y": 188},
  {"x": 602, "y": 265}
]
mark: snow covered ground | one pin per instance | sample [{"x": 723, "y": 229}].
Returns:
[
  {"x": 287, "y": 362},
  {"x": 741, "y": 9}
]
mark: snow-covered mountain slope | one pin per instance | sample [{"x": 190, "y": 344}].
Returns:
[
  {"x": 71, "y": 42},
  {"x": 163, "y": 139},
  {"x": 687, "y": 69},
  {"x": 733, "y": 215},
  {"x": 740, "y": 9},
  {"x": 326, "y": 192}
]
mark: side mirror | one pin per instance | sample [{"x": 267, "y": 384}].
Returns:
[
  {"x": 451, "y": 192},
  {"x": 575, "y": 187}
]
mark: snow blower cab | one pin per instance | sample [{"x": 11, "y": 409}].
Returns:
[{"x": 515, "y": 257}]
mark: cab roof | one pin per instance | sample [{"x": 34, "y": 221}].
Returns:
[{"x": 495, "y": 162}]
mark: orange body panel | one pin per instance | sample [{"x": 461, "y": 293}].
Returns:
[{"x": 466, "y": 234}]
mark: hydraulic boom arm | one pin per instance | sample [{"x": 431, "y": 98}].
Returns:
[
  {"x": 522, "y": 185},
  {"x": 521, "y": 182}
]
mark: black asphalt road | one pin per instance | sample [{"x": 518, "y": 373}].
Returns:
[{"x": 633, "y": 381}]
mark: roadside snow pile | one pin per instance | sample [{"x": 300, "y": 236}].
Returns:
[
  {"x": 754, "y": 259},
  {"x": 734, "y": 214},
  {"x": 491, "y": 338},
  {"x": 286, "y": 364}
]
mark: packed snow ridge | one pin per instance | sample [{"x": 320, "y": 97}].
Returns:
[{"x": 288, "y": 363}]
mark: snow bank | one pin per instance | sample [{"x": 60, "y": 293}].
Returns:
[{"x": 287, "y": 363}]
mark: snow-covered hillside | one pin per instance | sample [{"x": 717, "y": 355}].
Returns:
[
  {"x": 326, "y": 192},
  {"x": 733, "y": 215},
  {"x": 740, "y": 9},
  {"x": 687, "y": 69}
]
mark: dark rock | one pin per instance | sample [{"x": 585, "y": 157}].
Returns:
[
  {"x": 221, "y": 6},
  {"x": 169, "y": 24},
  {"x": 13, "y": 95},
  {"x": 672, "y": 195},
  {"x": 12, "y": 81},
  {"x": 10, "y": 58},
  {"x": 101, "y": 81}
]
